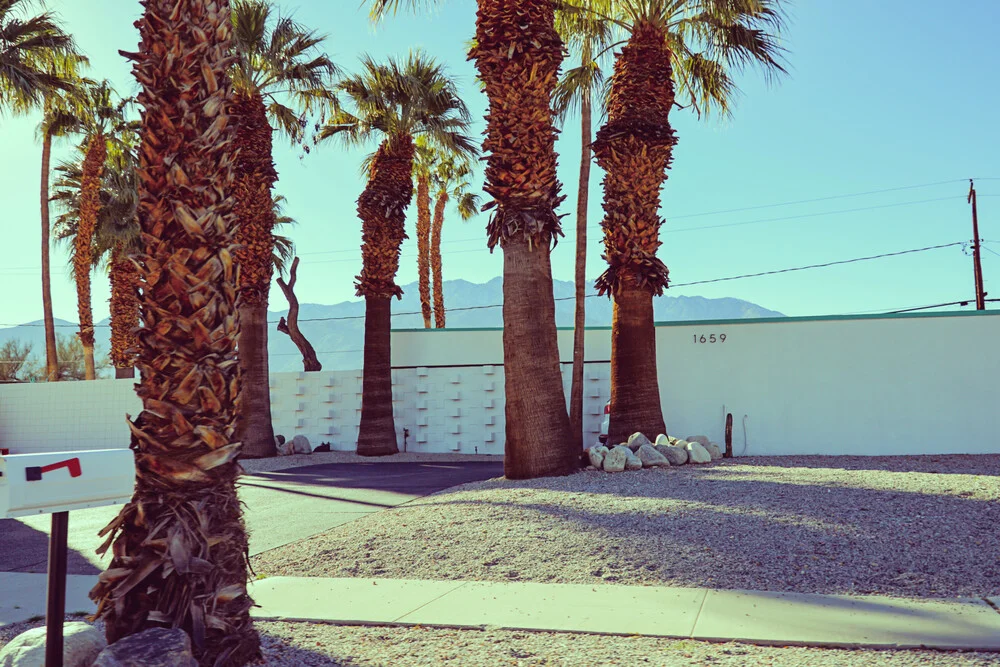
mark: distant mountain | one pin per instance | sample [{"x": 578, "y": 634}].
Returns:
[{"x": 337, "y": 331}]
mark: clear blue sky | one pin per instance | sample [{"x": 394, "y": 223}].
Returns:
[{"x": 881, "y": 95}]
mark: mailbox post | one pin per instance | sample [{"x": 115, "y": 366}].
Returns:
[{"x": 56, "y": 483}]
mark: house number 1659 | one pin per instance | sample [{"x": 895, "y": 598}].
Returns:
[{"x": 711, "y": 338}]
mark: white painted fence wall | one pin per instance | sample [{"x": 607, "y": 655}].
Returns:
[{"x": 865, "y": 385}]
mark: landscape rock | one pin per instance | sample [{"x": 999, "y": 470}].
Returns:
[
  {"x": 81, "y": 644},
  {"x": 632, "y": 462},
  {"x": 156, "y": 647},
  {"x": 596, "y": 455},
  {"x": 614, "y": 461},
  {"x": 673, "y": 441},
  {"x": 713, "y": 449},
  {"x": 651, "y": 458},
  {"x": 300, "y": 445},
  {"x": 286, "y": 448},
  {"x": 637, "y": 440},
  {"x": 679, "y": 443},
  {"x": 697, "y": 453},
  {"x": 700, "y": 439},
  {"x": 677, "y": 456}
]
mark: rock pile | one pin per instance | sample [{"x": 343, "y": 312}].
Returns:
[{"x": 665, "y": 451}]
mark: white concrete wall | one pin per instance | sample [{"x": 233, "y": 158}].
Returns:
[{"x": 869, "y": 385}]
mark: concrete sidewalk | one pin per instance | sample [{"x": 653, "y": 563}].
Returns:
[{"x": 685, "y": 613}]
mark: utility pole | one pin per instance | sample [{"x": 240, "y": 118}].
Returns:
[{"x": 976, "y": 252}]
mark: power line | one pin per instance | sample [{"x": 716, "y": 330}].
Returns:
[
  {"x": 937, "y": 305},
  {"x": 569, "y": 298}
]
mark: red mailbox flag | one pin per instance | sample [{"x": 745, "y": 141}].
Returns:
[{"x": 34, "y": 473}]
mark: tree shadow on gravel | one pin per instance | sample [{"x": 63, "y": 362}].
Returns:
[
  {"x": 700, "y": 530},
  {"x": 943, "y": 464}
]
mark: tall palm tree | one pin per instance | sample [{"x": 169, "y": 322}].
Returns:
[
  {"x": 686, "y": 47},
  {"x": 116, "y": 237},
  {"x": 180, "y": 545},
  {"x": 578, "y": 90},
  {"x": 450, "y": 182},
  {"x": 394, "y": 103},
  {"x": 518, "y": 54},
  {"x": 424, "y": 162},
  {"x": 29, "y": 44},
  {"x": 280, "y": 77},
  {"x": 102, "y": 122}
]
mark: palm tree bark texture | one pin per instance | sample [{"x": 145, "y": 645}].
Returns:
[
  {"x": 124, "y": 311},
  {"x": 51, "y": 353},
  {"x": 518, "y": 54},
  {"x": 180, "y": 545},
  {"x": 255, "y": 176},
  {"x": 435, "y": 257},
  {"x": 423, "y": 246},
  {"x": 634, "y": 149},
  {"x": 90, "y": 207},
  {"x": 382, "y": 209}
]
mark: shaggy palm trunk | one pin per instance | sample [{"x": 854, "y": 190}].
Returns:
[
  {"x": 51, "y": 353},
  {"x": 580, "y": 315},
  {"x": 382, "y": 209},
  {"x": 518, "y": 53},
  {"x": 439, "y": 206},
  {"x": 423, "y": 247},
  {"x": 180, "y": 545},
  {"x": 634, "y": 149},
  {"x": 310, "y": 363},
  {"x": 255, "y": 176},
  {"x": 124, "y": 312},
  {"x": 90, "y": 207}
]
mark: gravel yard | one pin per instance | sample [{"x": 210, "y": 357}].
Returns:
[
  {"x": 313, "y": 644},
  {"x": 918, "y": 526},
  {"x": 253, "y": 466}
]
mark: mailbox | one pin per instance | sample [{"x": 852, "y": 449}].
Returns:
[{"x": 63, "y": 481}]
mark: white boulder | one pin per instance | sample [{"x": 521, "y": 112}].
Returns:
[
  {"x": 637, "y": 440},
  {"x": 300, "y": 445},
  {"x": 651, "y": 458},
  {"x": 81, "y": 645},
  {"x": 614, "y": 461},
  {"x": 596, "y": 455},
  {"x": 700, "y": 439},
  {"x": 662, "y": 439},
  {"x": 713, "y": 449},
  {"x": 697, "y": 453}
]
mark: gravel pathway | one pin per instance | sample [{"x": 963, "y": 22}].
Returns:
[
  {"x": 312, "y": 644},
  {"x": 919, "y": 526}
]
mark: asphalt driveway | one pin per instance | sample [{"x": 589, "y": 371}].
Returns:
[{"x": 281, "y": 507}]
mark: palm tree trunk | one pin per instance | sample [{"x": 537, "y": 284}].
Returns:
[
  {"x": 518, "y": 54},
  {"x": 255, "y": 212},
  {"x": 423, "y": 247},
  {"x": 180, "y": 545},
  {"x": 439, "y": 312},
  {"x": 634, "y": 149},
  {"x": 310, "y": 362},
  {"x": 51, "y": 354},
  {"x": 382, "y": 209},
  {"x": 124, "y": 312},
  {"x": 377, "y": 436},
  {"x": 635, "y": 392},
  {"x": 90, "y": 206},
  {"x": 580, "y": 316}
]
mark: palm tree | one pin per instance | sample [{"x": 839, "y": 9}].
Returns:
[
  {"x": 180, "y": 545},
  {"x": 577, "y": 90},
  {"x": 279, "y": 78},
  {"x": 688, "y": 47},
  {"x": 518, "y": 54},
  {"x": 29, "y": 45},
  {"x": 394, "y": 103},
  {"x": 102, "y": 123},
  {"x": 116, "y": 237},
  {"x": 450, "y": 181},
  {"x": 424, "y": 161}
]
